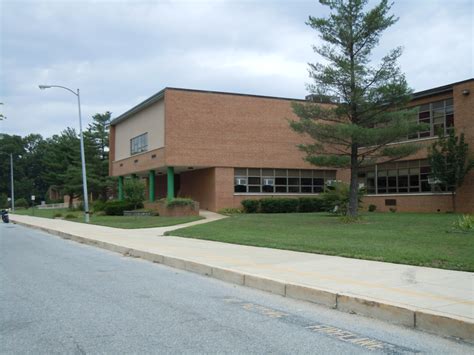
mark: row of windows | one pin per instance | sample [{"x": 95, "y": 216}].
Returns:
[
  {"x": 401, "y": 177},
  {"x": 438, "y": 115},
  {"x": 139, "y": 144},
  {"x": 281, "y": 180}
]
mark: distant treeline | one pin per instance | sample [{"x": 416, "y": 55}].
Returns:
[{"x": 55, "y": 163}]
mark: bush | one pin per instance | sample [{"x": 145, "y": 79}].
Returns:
[
  {"x": 251, "y": 206},
  {"x": 21, "y": 202},
  {"x": 57, "y": 215},
  {"x": 393, "y": 209},
  {"x": 116, "y": 208},
  {"x": 229, "y": 211},
  {"x": 98, "y": 206},
  {"x": 134, "y": 191},
  {"x": 310, "y": 204},
  {"x": 465, "y": 223},
  {"x": 279, "y": 205},
  {"x": 372, "y": 208},
  {"x": 70, "y": 216},
  {"x": 180, "y": 201},
  {"x": 336, "y": 198}
]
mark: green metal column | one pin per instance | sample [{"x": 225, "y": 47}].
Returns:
[
  {"x": 151, "y": 185},
  {"x": 120, "y": 188},
  {"x": 170, "y": 184}
]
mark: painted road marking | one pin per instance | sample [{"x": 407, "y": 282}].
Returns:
[
  {"x": 256, "y": 308},
  {"x": 340, "y": 334}
]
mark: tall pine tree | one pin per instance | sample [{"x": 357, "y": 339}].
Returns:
[{"x": 372, "y": 97}]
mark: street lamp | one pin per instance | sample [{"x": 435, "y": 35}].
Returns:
[{"x": 83, "y": 159}]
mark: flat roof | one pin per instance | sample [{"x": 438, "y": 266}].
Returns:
[
  {"x": 438, "y": 90},
  {"x": 160, "y": 94}
]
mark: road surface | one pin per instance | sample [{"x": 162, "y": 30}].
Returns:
[{"x": 58, "y": 296}]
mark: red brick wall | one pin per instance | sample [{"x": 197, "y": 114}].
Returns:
[
  {"x": 200, "y": 186},
  {"x": 464, "y": 122},
  {"x": 218, "y": 130},
  {"x": 410, "y": 203}
]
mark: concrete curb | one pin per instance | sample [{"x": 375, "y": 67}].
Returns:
[{"x": 424, "y": 320}]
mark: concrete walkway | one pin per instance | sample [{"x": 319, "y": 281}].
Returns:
[{"x": 433, "y": 300}]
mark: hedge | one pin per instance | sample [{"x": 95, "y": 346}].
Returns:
[
  {"x": 310, "y": 204},
  {"x": 251, "y": 206},
  {"x": 283, "y": 205},
  {"x": 279, "y": 205},
  {"x": 180, "y": 201},
  {"x": 116, "y": 208}
]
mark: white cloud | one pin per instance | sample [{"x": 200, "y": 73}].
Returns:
[{"x": 120, "y": 52}]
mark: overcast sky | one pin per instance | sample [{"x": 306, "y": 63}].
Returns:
[{"x": 121, "y": 52}]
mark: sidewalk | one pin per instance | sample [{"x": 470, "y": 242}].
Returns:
[{"x": 433, "y": 300}]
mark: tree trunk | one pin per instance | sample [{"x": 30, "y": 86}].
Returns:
[
  {"x": 354, "y": 184},
  {"x": 71, "y": 197}
]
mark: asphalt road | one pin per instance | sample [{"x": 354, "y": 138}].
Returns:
[{"x": 57, "y": 296}]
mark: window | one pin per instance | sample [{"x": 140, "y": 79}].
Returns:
[
  {"x": 401, "y": 177},
  {"x": 438, "y": 116},
  {"x": 281, "y": 180},
  {"x": 139, "y": 144}
]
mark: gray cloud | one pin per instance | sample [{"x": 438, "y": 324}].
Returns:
[{"x": 120, "y": 52}]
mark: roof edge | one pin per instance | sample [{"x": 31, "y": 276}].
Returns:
[
  {"x": 142, "y": 105},
  {"x": 438, "y": 90},
  {"x": 159, "y": 95}
]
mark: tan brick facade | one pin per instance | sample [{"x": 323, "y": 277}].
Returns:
[{"x": 208, "y": 134}]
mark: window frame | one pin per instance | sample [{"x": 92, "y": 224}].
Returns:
[
  {"x": 281, "y": 181},
  {"x": 139, "y": 144}
]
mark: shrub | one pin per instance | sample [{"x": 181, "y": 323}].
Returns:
[
  {"x": 134, "y": 191},
  {"x": 393, "y": 209},
  {"x": 180, "y": 201},
  {"x": 310, "y": 204},
  {"x": 98, "y": 205},
  {"x": 372, "y": 208},
  {"x": 336, "y": 198},
  {"x": 57, "y": 215},
  {"x": 465, "y": 223},
  {"x": 349, "y": 219},
  {"x": 116, "y": 208},
  {"x": 70, "y": 216},
  {"x": 279, "y": 205},
  {"x": 3, "y": 201},
  {"x": 21, "y": 202},
  {"x": 251, "y": 206},
  {"x": 229, "y": 211}
]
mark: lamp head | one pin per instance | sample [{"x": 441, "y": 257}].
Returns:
[{"x": 42, "y": 87}]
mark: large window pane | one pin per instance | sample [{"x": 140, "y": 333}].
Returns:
[
  {"x": 293, "y": 181},
  {"x": 139, "y": 144},
  {"x": 280, "y": 181},
  {"x": 254, "y": 180}
]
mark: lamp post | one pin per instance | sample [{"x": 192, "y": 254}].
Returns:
[
  {"x": 83, "y": 159},
  {"x": 11, "y": 182}
]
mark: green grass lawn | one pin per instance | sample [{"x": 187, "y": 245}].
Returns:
[
  {"x": 406, "y": 238},
  {"x": 127, "y": 222}
]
